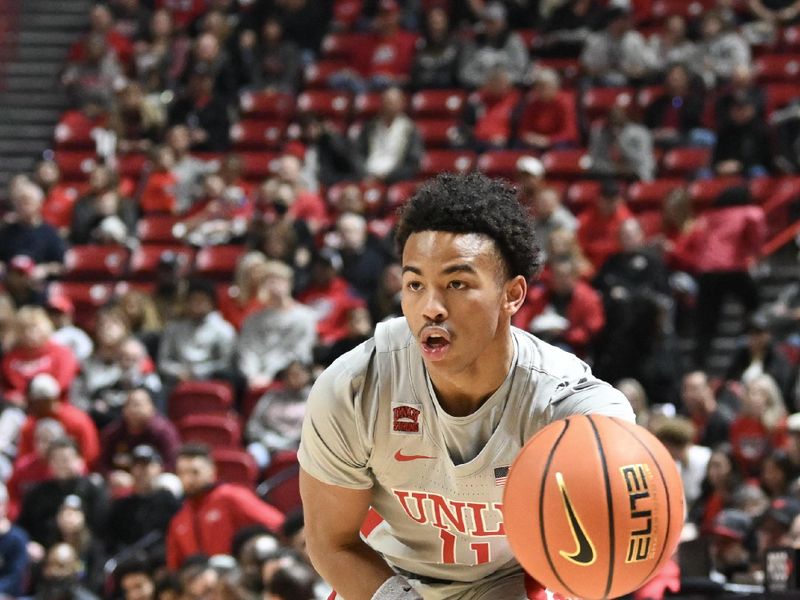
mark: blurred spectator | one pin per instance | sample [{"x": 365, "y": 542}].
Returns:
[
  {"x": 359, "y": 329},
  {"x": 203, "y": 111},
  {"x": 363, "y": 256},
  {"x": 92, "y": 78},
  {"x": 8, "y": 319},
  {"x": 147, "y": 509},
  {"x": 211, "y": 59},
  {"x": 277, "y": 419},
  {"x": 720, "y": 50},
  {"x": 725, "y": 243},
  {"x": 211, "y": 512},
  {"x": 44, "y": 403},
  {"x": 61, "y": 574},
  {"x": 691, "y": 459},
  {"x": 731, "y": 545},
  {"x": 545, "y": 118},
  {"x": 637, "y": 396},
  {"x": 13, "y": 552},
  {"x": 777, "y": 473},
  {"x": 760, "y": 427},
  {"x": 711, "y": 419},
  {"x": 385, "y": 302},
  {"x": 138, "y": 424},
  {"x": 24, "y": 232},
  {"x": 303, "y": 204},
  {"x": 438, "y": 53},
  {"x": 220, "y": 216},
  {"x": 101, "y": 25},
  {"x": 488, "y": 112},
  {"x": 59, "y": 197},
  {"x": 677, "y": 220},
  {"x": 760, "y": 355},
  {"x": 495, "y": 45},
  {"x": 34, "y": 352},
  {"x": 783, "y": 315},
  {"x": 619, "y": 147},
  {"x": 327, "y": 157},
  {"x": 722, "y": 482},
  {"x": 565, "y": 311},
  {"x": 137, "y": 119},
  {"x": 742, "y": 84},
  {"x": 599, "y": 225},
  {"x": 199, "y": 345},
  {"x": 135, "y": 579},
  {"x": 183, "y": 12},
  {"x": 566, "y": 25},
  {"x": 160, "y": 193},
  {"x": 169, "y": 295},
  {"x": 271, "y": 62},
  {"x": 93, "y": 216},
  {"x": 73, "y": 530},
  {"x": 549, "y": 214},
  {"x": 60, "y": 309},
  {"x": 188, "y": 170},
  {"x": 294, "y": 579},
  {"x": 244, "y": 296},
  {"x": 743, "y": 144},
  {"x": 304, "y": 22},
  {"x": 389, "y": 147},
  {"x": 671, "y": 45},
  {"x": 12, "y": 416},
  {"x": 772, "y": 528},
  {"x": 142, "y": 316},
  {"x": 40, "y": 505},
  {"x": 21, "y": 283},
  {"x": 775, "y": 12},
  {"x": 283, "y": 331},
  {"x": 160, "y": 54},
  {"x": 564, "y": 243},
  {"x": 130, "y": 17},
  {"x": 617, "y": 54},
  {"x": 529, "y": 179},
  {"x": 675, "y": 117}
]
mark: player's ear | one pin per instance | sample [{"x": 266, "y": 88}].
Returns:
[{"x": 514, "y": 293}]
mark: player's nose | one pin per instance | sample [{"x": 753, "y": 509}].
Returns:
[{"x": 433, "y": 308}]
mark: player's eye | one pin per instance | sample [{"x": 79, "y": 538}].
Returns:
[
  {"x": 457, "y": 284},
  {"x": 414, "y": 286}
]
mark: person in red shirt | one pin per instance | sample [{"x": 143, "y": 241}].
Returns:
[
  {"x": 212, "y": 512},
  {"x": 43, "y": 403},
  {"x": 392, "y": 50},
  {"x": 548, "y": 116},
  {"x": 598, "y": 227},
  {"x": 35, "y": 353},
  {"x": 566, "y": 311},
  {"x": 59, "y": 197},
  {"x": 101, "y": 22},
  {"x": 159, "y": 194},
  {"x": 490, "y": 109},
  {"x": 236, "y": 302},
  {"x": 303, "y": 204}
]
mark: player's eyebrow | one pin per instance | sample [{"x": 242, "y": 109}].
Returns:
[
  {"x": 459, "y": 268},
  {"x": 408, "y": 269}
]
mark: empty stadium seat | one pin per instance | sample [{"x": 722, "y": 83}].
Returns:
[
  {"x": 582, "y": 194},
  {"x": 440, "y": 161},
  {"x": 157, "y": 229},
  {"x": 651, "y": 194},
  {"x": 399, "y": 193},
  {"x": 596, "y": 102},
  {"x": 438, "y": 133},
  {"x": 75, "y": 165},
  {"x": 684, "y": 162},
  {"x": 145, "y": 259},
  {"x": 94, "y": 263},
  {"x": 235, "y": 465},
  {"x": 646, "y": 95},
  {"x": 703, "y": 193},
  {"x": 328, "y": 103},
  {"x": 366, "y": 106},
  {"x": 217, "y": 431},
  {"x": 567, "y": 164},
  {"x": 200, "y": 397},
  {"x": 779, "y": 95},
  {"x": 500, "y": 163},
  {"x": 777, "y": 68},
  {"x": 217, "y": 262},
  {"x": 343, "y": 45},
  {"x": 282, "y": 490},
  {"x": 661, "y": 9},
  {"x": 762, "y": 187},
  {"x": 250, "y": 134},
  {"x": 373, "y": 194},
  {"x": 568, "y": 68},
  {"x": 346, "y": 13},
  {"x": 438, "y": 103},
  {"x": 257, "y": 165},
  {"x": 132, "y": 165},
  {"x": 267, "y": 105},
  {"x": 87, "y": 298},
  {"x": 74, "y": 131},
  {"x": 317, "y": 74}
]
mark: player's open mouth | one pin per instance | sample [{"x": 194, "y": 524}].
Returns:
[{"x": 435, "y": 342}]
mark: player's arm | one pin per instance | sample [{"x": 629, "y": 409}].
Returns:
[{"x": 333, "y": 517}]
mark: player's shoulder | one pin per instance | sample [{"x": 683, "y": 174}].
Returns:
[{"x": 547, "y": 360}]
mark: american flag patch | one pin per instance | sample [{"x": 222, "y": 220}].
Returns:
[{"x": 500, "y": 475}]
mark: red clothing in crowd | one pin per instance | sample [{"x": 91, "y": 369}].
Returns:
[
  {"x": 29, "y": 469},
  {"x": 121, "y": 45},
  {"x": 77, "y": 425},
  {"x": 493, "y": 122},
  {"x": 391, "y": 55},
  {"x": 598, "y": 234},
  {"x": 158, "y": 195},
  {"x": 584, "y": 313},
  {"x": 332, "y": 303},
  {"x": 752, "y": 442},
  {"x": 57, "y": 209},
  {"x": 183, "y": 12},
  {"x": 554, "y": 118},
  {"x": 310, "y": 207},
  {"x": 21, "y": 365},
  {"x": 235, "y": 310},
  {"x": 206, "y": 523},
  {"x": 725, "y": 239}
]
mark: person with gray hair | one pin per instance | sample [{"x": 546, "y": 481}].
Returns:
[{"x": 13, "y": 551}]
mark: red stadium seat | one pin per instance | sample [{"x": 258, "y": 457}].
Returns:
[
  {"x": 235, "y": 465},
  {"x": 328, "y": 103},
  {"x": 316, "y": 74},
  {"x": 218, "y": 431},
  {"x": 596, "y": 102},
  {"x": 582, "y": 194},
  {"x": 133, "y": 165},
  {"x": 75, "y": 165},
  {"x": 791, "y": 38},
  {"x": 399, "y": 193},
  {"x": 217, "y": 262},
  {"x": 87, "y": 298},
  {"x": 651, "y": 222},
  {"x": 684, "y": 162},
  {"x": 366, "y": 106},
  {"x": 567, "y": 164},
  {"x": 702, "y": 193},
  {"x": 777, "y": 68},
  {"x": 157, "y": 229},
  {"x": 144, "y": 260},
  {"x": 346, "y": 13},
  {"x": 282, "y": 490},
  {"x": 438, "y": 133},
  {"x": 257, "y": 165},
  {"x": 74, "y": 131},
  {"x": 343, "y": 45},
  {"x": 267, "y": 105},
  {"x": 762, "y": 187},
  {"x": 662, "y": 9},
  {"x": 200, "y": 397},
  {"x": 257, "y": 135},
  {"x": 651, "y": 194},
  {"x": 438, "y": 103},
  {"x": 647, "y": 94},
  {"x": 500, "y": 163},
  {"x": 779, "y": 95},
  {"x": 439, "y": 161},
  {"x": 373, "y": 194},
  {"x": 98, "y": 263},
  {"x": 568, "y": 68}
]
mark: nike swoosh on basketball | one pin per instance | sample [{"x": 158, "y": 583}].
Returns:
[
  {"x": 584, "y": 553},
  {"x": 399, "y": 456}
]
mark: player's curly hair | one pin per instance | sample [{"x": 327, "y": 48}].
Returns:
[{"x": 473, "y": 203}]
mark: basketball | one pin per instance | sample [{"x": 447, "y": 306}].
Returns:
[{"x": 593, "y": 506}]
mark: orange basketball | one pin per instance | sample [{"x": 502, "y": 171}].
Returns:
[{"x": 593, "y": 506}]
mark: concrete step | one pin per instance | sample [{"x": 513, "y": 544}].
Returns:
[
  {"x": 30, "y": 68},
  {"x": 38, "y": 52},
  {"x": 57, "y": 6},
  {"x": 18, "y": 164},
  {"x": 31, "y": 115},
  {"x": 27, "y": 131},
  {"x": 22, "y": 100},
  {"x": 47, "y": 38},
  {"x": 23, "y": 146},
  {"x": 70, "y": 21},
  {"x": 33, "y": 83}
]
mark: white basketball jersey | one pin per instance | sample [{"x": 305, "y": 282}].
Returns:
[{"x": 372, "y": 422}]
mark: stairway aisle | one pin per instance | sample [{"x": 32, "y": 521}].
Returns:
[{"x": 31, "y": 100}]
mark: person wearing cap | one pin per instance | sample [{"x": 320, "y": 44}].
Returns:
[
  {"x": 21, "y": 282},
  {"x": 599, "y": 225},
  {"x": 212, "y": 512},
  {"x": 529, "y": 179},
  {"x": 35, "y": 352},
  {"x": 620, "y": 147},
  {"x": 61, "y": 310},
  {"x": 774, "y": 525},
  {"x": 494, "y": 45},
  {"x": 283, "y": 331},
  {"x": 724, "y": 245},
  {"x": 13, "y": 552},
  {"x": 147, "y": 509},
  {"x": 200, "y": 344},
  {"x": 731, "y": 544},
  {"x": 44, "y": 402}
]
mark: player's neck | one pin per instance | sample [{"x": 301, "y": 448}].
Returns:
[{"x": 462, "y": 393}]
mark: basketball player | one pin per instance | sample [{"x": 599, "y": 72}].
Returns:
[{"x": 422, "y": 421}]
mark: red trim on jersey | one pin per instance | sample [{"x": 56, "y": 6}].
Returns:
[
  {"x": 332, "y": 596},
  {"x": 371, "y": 521}
]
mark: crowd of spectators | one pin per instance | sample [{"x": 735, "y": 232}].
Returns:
[{"x": 107, "y": 491}]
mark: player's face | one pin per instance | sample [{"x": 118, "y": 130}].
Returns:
[{"x": 456, "y": 298}]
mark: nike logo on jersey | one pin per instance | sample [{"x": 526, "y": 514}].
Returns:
[
  {"x": 584, "y": 553},
  {"x": 399, "y": 456}
]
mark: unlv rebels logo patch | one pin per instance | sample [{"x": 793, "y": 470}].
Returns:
[{"x": 406, "y": 418}]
